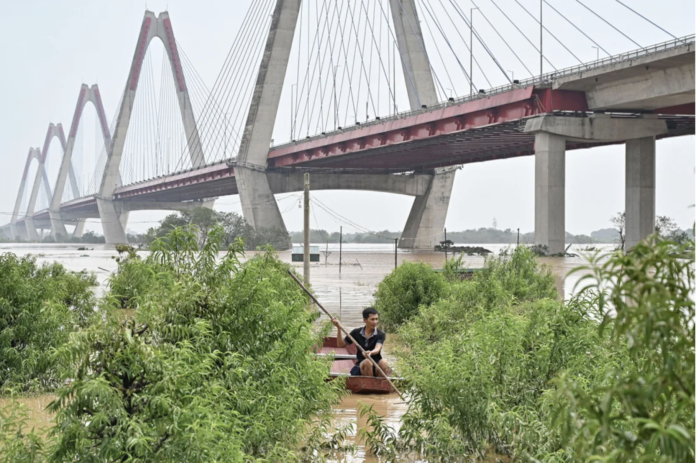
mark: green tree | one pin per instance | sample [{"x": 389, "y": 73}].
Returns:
[
  {"x": 40, "y": 306},
  {"x": 216, "y": 365},
  {"x": 403, "y": 291},
  {"x": 644, "y": 412}
]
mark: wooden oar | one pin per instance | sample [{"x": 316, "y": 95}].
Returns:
[{"x": 347, "y": 334}]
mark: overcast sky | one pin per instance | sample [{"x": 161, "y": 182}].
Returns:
[{"x": 49, "y": 48}]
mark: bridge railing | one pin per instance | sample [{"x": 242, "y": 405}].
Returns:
[{"x": 614, "y": 59}]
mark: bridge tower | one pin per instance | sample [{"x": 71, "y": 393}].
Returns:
[
  {"x": 87, "y": 94},
  {"x": 426, "y": 221},
  {"x": 54, "y": 130},
  {"x": 16, "y": 233},
  {"x": 260, "y": 209},
  {"x": 113, "y": 216}
]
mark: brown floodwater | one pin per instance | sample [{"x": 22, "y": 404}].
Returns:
[{"x": 343, "y": 290}]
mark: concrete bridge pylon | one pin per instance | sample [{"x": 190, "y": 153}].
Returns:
[
  {"x": 54, "y": 131},
  {"x": 260, "y": 208},
  {"x": 87, "y": 94},
  {"x": 426, "y": 220},
  {"x": 34, "y": 154},
  {"x": 113, "y": 216}
]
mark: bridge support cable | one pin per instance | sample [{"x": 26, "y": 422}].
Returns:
[
  {"x": 468, "y": 47},
  {"x": 548, "y": 31},
  {"x": 439, "y": 54},
  {"x": 503, "y": 39},
  {"x": 225, "y": 105},
  {"x": 481, "y": 41},
  {"x": 467, "y": 76},
  {"x": 608, "y": 23},
  {"x": 313, "y": 65},
  {"x": 576, "y": 27},
  {"x": 648, "y": 20},
  {"x": 377, "y": 45},
  {"x": 523, "y": 35}
]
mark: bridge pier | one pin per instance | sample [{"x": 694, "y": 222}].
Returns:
[
  {"x": 113, "y": 224},
  {"x": 552, "y": 132},
  {"x": 549, "y": 192},
  {"x": 640, "y": 190},
  {"x": 426, "y": 221}
]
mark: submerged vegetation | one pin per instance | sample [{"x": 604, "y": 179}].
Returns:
[
  {"x": 215, "y": 365},
  {"x": 499, "y": 363},
  {"x": 40, "y": 306},
  {"x": 215, "y": 362}
]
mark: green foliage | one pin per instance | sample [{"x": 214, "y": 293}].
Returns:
[
  {"x": 16, "y": 445},
  {"x": 202, "y": 220},
  {"x": 643, "y": 412},
  {"x": 39, "y": 307},
  {"x": 402, "y": 292},
  {"x": 217, "y": 364},
  {"x": 380, "y": 438},
  {"x": 132, "y": 278},
  {"x": 479, "y": 362}
]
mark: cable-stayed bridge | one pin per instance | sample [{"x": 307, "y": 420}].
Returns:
[{"x": 385, "y": 96}]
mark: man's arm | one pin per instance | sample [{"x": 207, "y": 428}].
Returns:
[
  {"x": 340, "y": 341},
  {"x": 378, "y": 346}
]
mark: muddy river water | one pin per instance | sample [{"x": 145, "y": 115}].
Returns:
[{"x": 344, "y": 290}]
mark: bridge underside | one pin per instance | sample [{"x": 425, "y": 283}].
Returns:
[{"x": 495, "y": 141}]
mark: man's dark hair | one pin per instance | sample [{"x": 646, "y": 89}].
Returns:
[{"x": 369, "y": 311}]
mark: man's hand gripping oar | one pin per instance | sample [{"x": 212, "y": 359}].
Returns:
[{"x": 367, "y": 357}]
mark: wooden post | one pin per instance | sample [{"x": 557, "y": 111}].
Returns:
[
  {"x": 340, "y": 250},
  {"x": 306, "y": 255}
]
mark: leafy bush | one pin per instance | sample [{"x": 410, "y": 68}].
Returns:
[
  {"x": 501, "y": 365},
  {"x": 216, "y": 365},
  {"x": 480, "y": 361},
  {"x": 132, "y": 278},
  {"x": 401, "y": 293},
  {"x": 644, "y": 412},
  {"x": 39, "y": 307}
]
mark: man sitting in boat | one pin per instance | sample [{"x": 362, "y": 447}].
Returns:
[{"x": 371, "y": 339}]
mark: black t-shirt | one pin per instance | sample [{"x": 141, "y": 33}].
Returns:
[{"x": 378, "y": 337}]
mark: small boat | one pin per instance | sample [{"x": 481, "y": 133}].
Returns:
[{"x": 344, "y": 360}]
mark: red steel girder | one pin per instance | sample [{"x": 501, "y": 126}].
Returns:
[{"x": 500, "y": 108}]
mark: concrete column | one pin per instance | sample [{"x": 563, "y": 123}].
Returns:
[
  {"x": 549, "y": 192},
  {"x": 426, "y": 222},
  {"x": 414, "y": 57},
  {"x": 258, "y": 203},
  {"x": 640, "y": 189},
  {"x": 79, "y": 229}
]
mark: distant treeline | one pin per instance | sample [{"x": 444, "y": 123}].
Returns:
[{"x": 473, "y": 236}]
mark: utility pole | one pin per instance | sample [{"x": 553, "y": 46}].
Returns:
[
  {"x": 340, "y": 250},
  {"x": 518, "y": 237},
  {"x": 292, "y": 108},
  {"x": 541, "y": 40},
  {"x": 396, "y": 241},
  {"x": 471, "y": 51},
  {"x": 305, "y": 257},
  {"x": 335, "y": 97},
  {"x": 446, "y": 243}
]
